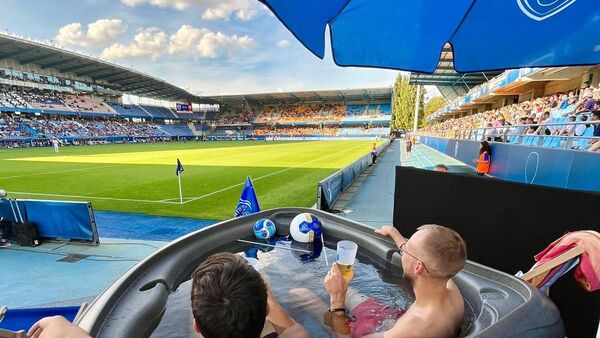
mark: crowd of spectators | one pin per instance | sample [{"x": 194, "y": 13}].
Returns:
[
  {"x": 21, "y": 97},
  {"x": 296, "y": 131},
  {"x": 527, "y": 117},
  {"x": 245, "y": 117},
  {"x": 86, "y": 103},
  {"x": 22, "y": 125},
  {"x": 12, "y": 126},
  {"x": 302, "y": 113}
]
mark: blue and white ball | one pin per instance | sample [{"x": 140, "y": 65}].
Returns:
[
  {"x": 264, "y": 228},
  {"x": 305, "y": 228}
]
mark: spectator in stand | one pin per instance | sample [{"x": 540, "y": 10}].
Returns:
[
  {"x": 595, "y": 143},
  {"x": 545, "y": 119},
  {"x": 586, "y": 103},
  {"x": 567, "y": 130},
  {"x": 580, "y": 128},
  {"x": 531, "y": 126}
]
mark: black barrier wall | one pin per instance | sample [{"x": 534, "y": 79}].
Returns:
[{"x": 504, "y": 225}]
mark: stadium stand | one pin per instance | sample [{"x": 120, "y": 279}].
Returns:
[
  {"x": 176, "y": 129},
  {"x": 13, "y": 127},
  {"x": 363, "y": 131},
  {"x": 232, "y": 118},
  {"x": 189, "y": 116},
  {"x": 304, "y": 131},
  {"x": 87, "y": 103},
  {"x": 545, "y": 121},
  {"x": 129, "y": 110},
  {"x": 302, "y": 113},
  {"x": 325, "y": 131},
  {"x": 353, "y": 110},
  {"x": 47, "y": 126},
  {"x": 159, "y": 112}
]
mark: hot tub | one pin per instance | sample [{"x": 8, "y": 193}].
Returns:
[{"x": 499, "y": 305}]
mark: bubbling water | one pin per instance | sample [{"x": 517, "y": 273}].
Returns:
[{"x": 286, "y": 270}]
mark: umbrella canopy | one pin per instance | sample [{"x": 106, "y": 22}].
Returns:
[{"x": 410, "y": 34}]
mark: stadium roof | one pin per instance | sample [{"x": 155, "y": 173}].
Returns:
[
  {"x": 450, "y": 83},
  {"x": 118, "y": 77},
  {"x": 315, "y": 96}
]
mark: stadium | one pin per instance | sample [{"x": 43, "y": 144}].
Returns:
[{"x": 116, "y": 186}]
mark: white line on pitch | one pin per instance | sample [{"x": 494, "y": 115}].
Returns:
[
  {"x": 92, "y": 197},
  {"x": 271, "y": 174},
  {"x": 61, "y": 171}
]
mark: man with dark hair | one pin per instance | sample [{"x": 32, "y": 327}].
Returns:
[{"x": 230, "y": 299}]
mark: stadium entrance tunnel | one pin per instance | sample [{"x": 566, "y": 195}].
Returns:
[{"x": 133, "y": 306}]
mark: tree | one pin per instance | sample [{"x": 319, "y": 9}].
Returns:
[
  {"x": 434, "y": 104},
  {"x": 403, "y": 111}
]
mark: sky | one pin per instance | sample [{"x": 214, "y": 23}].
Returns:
[{"x": 209, "y": 47}]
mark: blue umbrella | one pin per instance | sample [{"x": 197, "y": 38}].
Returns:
[{"x": 410, "y": 34}]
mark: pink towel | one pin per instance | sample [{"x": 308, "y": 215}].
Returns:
[{"x": 587, "y": 273}]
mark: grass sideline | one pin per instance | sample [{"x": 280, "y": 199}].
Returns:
[{"x": 141, "y": 177}]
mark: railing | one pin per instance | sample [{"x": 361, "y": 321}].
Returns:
[{"x": 517, "y": 134}]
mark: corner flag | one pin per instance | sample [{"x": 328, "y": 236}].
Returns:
[
  {"x": 178, "y": 173},
  {"x": 248, "y": 203},
  {"x": 179, "y": 168}
]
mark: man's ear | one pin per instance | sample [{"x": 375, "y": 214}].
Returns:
[
  {"x": 420, "y": 268},
  {"x": 196, "y": 327}
]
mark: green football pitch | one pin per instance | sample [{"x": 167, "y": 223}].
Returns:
[{"x": 141, "y": 177}]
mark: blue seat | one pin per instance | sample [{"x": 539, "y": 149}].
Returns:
[
  {"x": 555, "y": 142},
  {"x": 528, "y": 140},
  {"x": 582, "y": 143}
]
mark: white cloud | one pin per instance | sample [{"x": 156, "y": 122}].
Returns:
[
  {"x": 185, "y": 39},
  {"x": 99, "y": 33},
  {"x": 213, "y": 9},
  {"x": 213, "y": 45},
  {"x": 153, "y": 42},
  {"x": 148, "y": 44},
  {"x": 283, "y": 43}
]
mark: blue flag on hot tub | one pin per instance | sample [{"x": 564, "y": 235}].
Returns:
[{"x": 248, "y": 203}]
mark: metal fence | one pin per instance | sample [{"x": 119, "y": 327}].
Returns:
[{"x": 565, "y": 135}]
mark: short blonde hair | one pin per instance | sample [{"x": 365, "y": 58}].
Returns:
[{"x": 446, "y": 251}]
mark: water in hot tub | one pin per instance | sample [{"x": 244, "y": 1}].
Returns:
[{"x": 287, "y": 269}]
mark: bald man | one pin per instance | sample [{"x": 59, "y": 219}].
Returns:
[{"x": 430, "y": 258}]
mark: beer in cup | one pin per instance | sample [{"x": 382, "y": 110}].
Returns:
[{"x": 345, "y": 256}]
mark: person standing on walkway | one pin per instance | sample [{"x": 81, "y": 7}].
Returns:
[
  {"x": 485, "y": 159},
  {"x": 374, "y": 153}
]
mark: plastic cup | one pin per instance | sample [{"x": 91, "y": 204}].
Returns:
[{"x": 345, "y": 256}]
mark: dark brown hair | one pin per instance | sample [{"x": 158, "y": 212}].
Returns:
[{"x": 229, "y": 298}]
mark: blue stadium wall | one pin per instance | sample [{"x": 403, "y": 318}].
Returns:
[{"x": 559, "y": 168}]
